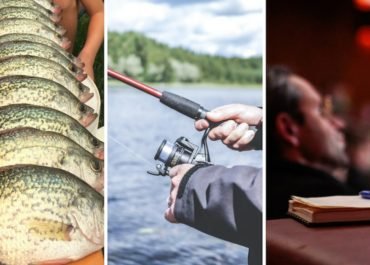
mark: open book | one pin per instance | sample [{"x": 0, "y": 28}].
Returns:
[{"x": 330, "y": 209}]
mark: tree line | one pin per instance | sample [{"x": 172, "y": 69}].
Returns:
[{"x": 148, "y": 60}]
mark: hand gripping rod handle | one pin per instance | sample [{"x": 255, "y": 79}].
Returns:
[{"x": 183, "y": 105}]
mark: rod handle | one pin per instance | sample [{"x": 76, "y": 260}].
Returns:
[{"x": 183, "y": 105}]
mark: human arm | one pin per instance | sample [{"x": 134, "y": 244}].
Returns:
[
  {"x": 235, "y": 132},
  {"x": 95, "y": 34},
  {"x": 223, "y": 202}
]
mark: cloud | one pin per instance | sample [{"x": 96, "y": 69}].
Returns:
[{"x": 224, "y": 27}]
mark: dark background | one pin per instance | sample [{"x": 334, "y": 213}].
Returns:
[{"x": 319, "y": 40}]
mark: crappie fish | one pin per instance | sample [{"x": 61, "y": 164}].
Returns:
[
  {"x": 45, "y": 41},
  {"x": 49, "y": 5},
  {"x": 29, "y": 13},
  {"x": 21, "y": 25},
  {"x": 47, "y": 216},
  {"x": 45, "y": 93},
  {"x": 33, "y": 14},
  {"x": 47, "y": 119},
  {"x": 30, "y": 4},
  {"x": 19, "y": 48},
  {"x": 40, "y": 67},
  {"x": 35, "y": 147}
]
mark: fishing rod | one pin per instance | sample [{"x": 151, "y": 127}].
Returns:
[
  {"x": 182, "y": 151},
  {"x": 183, "y": 105}
]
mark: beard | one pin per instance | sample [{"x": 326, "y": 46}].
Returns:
[{"x": 328, "y": 155}]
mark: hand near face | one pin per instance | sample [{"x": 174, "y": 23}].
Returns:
[
  {"x": 235, "y": 132},
  {"x": 176, "y": 174}
]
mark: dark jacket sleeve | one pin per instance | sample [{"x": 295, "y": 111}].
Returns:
[{"x": 226, "y": 203}]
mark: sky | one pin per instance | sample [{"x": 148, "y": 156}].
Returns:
[{"x": 217, "y": 27}]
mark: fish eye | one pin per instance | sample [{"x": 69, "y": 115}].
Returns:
[
  {"x": 82, "y": 108},
  {"x": 95, "y": 142},
  {"x": 95, "y": 165}
]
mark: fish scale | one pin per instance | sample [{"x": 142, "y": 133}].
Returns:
[
  {"x": 17, "y": 25},
  {"x": 29, "y": 4},
  {"x": 46, "y": 93},
  {"x": 20, "y": 48},
  {"x": 47, "y": 119},
  {"x": 40, "y": 40},
  {"x": 47, "y": 214},
  {"x": 32, "y": 146},
  {"x": 32, "y": 14},
  {"x": 40, "y": 67},
  {"x": 49, "y": 5}
]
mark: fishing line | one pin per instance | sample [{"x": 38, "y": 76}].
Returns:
[{"x": 132, "y": 152}]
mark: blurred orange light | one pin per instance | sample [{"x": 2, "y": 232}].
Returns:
[
  {"x": 363, "y": 5},
  {"x": 363, "y": 37}
]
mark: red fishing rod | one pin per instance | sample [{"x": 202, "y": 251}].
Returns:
[{"x": 176, "y": 102}]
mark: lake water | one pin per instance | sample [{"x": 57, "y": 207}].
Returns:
[{"x": 137, "y": 232}]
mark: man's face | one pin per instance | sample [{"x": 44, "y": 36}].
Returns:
[{"x": 320, "y": 138}]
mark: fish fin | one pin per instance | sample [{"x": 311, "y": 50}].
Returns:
[
  {"x": 54, "y": 262},
  {"x": 50, "y": 229}
]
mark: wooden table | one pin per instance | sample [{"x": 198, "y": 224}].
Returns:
[
  {"x": 96, "y": 258},
  {"x": 289, "y": 242}
]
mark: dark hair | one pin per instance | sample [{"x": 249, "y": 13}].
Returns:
[{"x": 281, "y": 96}]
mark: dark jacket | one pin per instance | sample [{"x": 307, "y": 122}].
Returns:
[
  {"x": 226, "y": 203},
  {"x": 285, "y": 179},
  {"x": 358, "y": 180}
]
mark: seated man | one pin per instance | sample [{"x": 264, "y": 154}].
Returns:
[{"x": 305, "y": 144}]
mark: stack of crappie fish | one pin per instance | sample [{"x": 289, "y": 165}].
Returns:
[{"x": 51, "y": 166}]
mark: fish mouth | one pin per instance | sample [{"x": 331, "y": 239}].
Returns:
[
  {"x": 66, "y": 43},
  {"x": 61, "y": 31},
  {"x": 99, "y": 153},
  {"x": 81, "y": 76},
  {"x": 88, "y": 119},
  {"x": 99, "y": 185},
  {"x": 77, "y": 61},
  {"x": 85, "y": 96},
  {"x": 57, "y": 10},
  {"x": 55, "y": 18}
]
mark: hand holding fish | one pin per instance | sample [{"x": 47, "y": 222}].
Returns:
[{"x": 88, "y": 65}]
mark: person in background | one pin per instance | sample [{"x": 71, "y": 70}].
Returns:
[
  {"x": 223, "y": 202},
  {"x": 95, "y": 34},
  {"x": 305, "y": 143}
]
